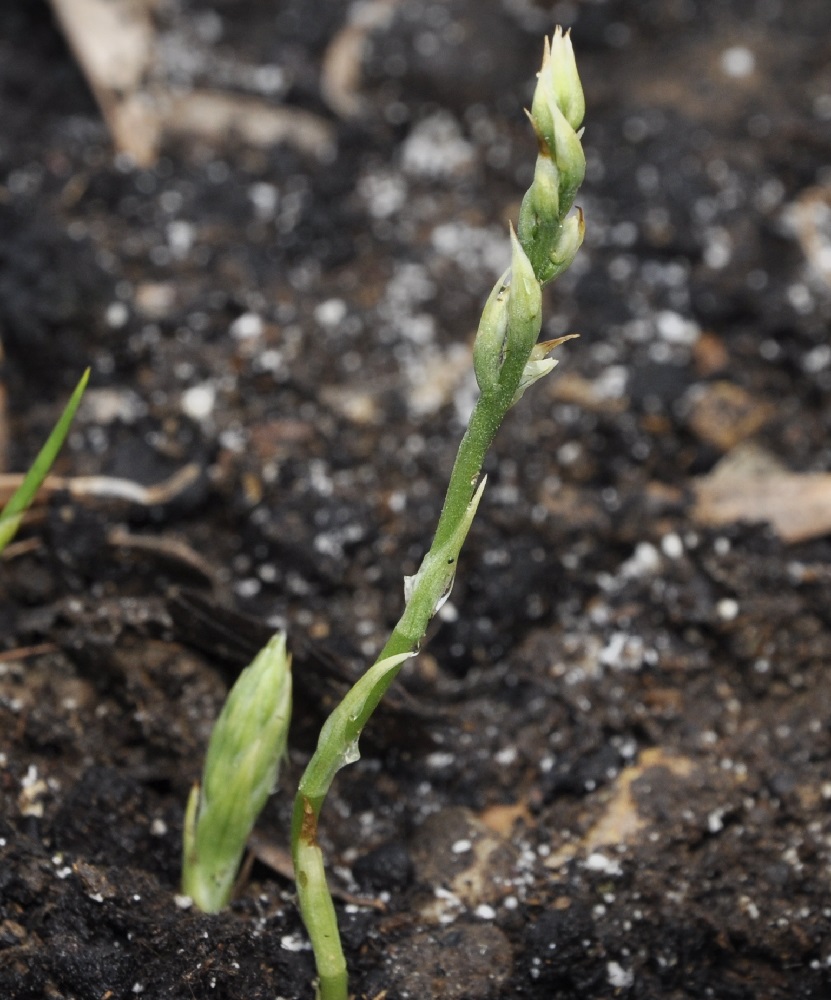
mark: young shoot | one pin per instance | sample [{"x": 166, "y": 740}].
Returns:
[
  {"x": 247, "y": 743},
  {"x": 12, "y": 513}
]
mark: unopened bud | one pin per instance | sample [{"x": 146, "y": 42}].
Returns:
[
  {"x": 558, "y": 89},
  {"x": 569, "y": 242},
  {"x": 569, "y": 158},
  {"x": 540, "y": 210},
  {"x": 565, "y": 80}
]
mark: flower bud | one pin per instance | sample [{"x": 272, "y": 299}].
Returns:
[
  {"x": 540, "y": 208},
  {"x": 569, "y": 242},
  {"x": 558, "y": 89},
  {"x": 565, "y": 81},
  {"x": 569, "y": 159}
]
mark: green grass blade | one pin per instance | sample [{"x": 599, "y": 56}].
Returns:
[{"x": 12, "y": 513}]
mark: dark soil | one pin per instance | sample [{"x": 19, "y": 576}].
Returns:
[{"x": 612, "y": 775}]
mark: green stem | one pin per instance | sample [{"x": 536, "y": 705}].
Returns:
[
  {"x": 337, "y": 744},
  {"x": 482, "y": 427}
]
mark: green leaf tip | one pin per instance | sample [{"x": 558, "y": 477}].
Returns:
[{"x": 241, "y": 767}]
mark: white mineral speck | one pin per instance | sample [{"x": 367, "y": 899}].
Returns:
[
  {"x": 485, "y": 912},
  {"x": 384, "y": 193},
  {"x": 727, "y": 609},
  {"x": 672, "y": 546},
  {"x": 800, "y": 298},
  {"x": 817, "y": 359},
  {"x": 674, "y": 328},
  {"x": 618, "y": 976},
  {"x": 180, "y": 237},
  {"x": 248, "y": 587},
  {"x": 715, "y": 821},
  {"x": 246, "y": 326},
  {"x": 718, "y": 248},
  {"x": 116, "y": 315},
  {"x": 738, "y": 61},
  {"x": 644, "y": 561},
  {"x": 331, "y": 313},
  {"x": 569, "y": 453},
  {"x": 598, "y": 862},
  {"x": 30, "y": 778},
  {"x": 294, "y": 942},
  {"x": 622, "y": 652},
  {"x": 439, "y": 759},
  {"x": 198, "y": 401},
  {"x": 462, "y": 846},
  {"x": 264, "y": 198}
]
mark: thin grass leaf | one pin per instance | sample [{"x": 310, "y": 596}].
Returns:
[{"x": 12, "y": 513}]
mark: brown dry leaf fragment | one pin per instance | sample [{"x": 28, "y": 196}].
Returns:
[
  {"x": 278, "y": 859},
  {"x": 621, "y": 822},
  {"x": 503, "y": 818},
  {"x": 710, "y": 354},
  {"x": 797, "y": 506},
  {"x": 216, "y": 117},
  {"x": 751, "y": 485},
  {"x": 117, "y": 46},
  {"x": 723, "y": 414},
  {"x": 591, "y": 395},
  {"x": 113, "y": 43},
  {"x": 171, "y": 551},
  {"x": 341, "y": 70}
]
